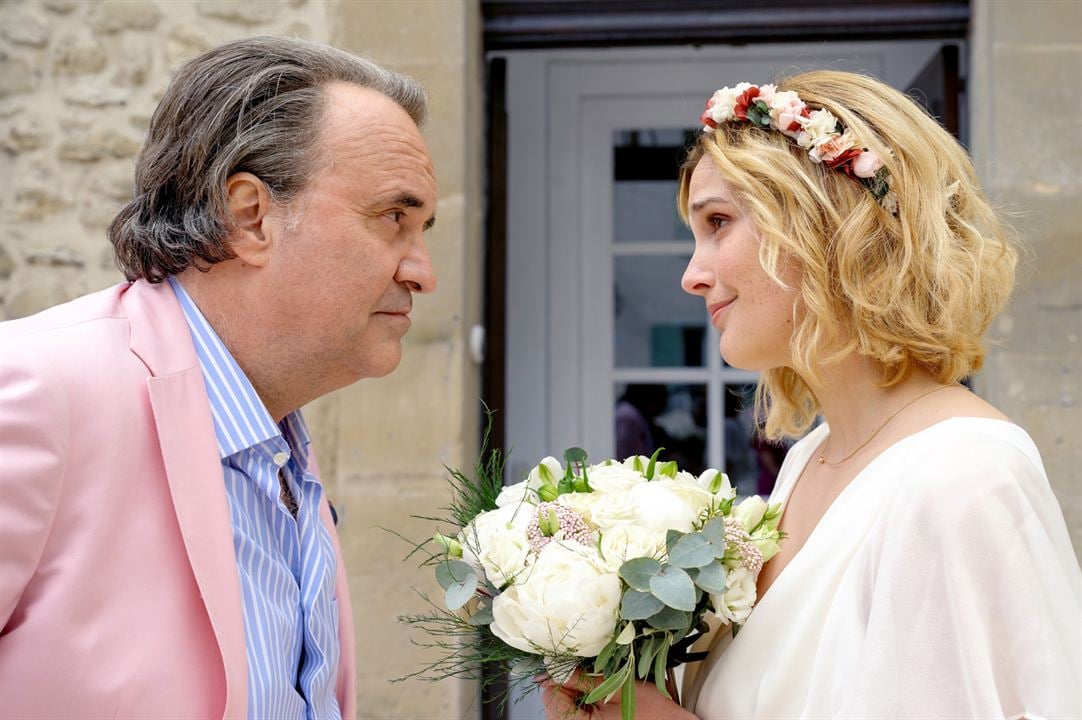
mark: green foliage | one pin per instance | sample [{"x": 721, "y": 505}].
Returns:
[
  {"x": 637, "y": 572},
  {"x": 638, "y": 605},
  {"x": 692, "y": 551}
]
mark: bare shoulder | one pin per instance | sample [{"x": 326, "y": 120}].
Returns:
[{"x": 959, "y": 402}]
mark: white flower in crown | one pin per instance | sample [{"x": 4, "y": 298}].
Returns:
[
  {"x": 720, "y": 106},
  {"x": 818, "y": 128}
]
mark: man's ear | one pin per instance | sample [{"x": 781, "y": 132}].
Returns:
[{"x": 250, "y": 205}]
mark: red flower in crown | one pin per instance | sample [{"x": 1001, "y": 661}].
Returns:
[
  {"x": 744, "y": 101},
  {"x": 844, "y": 162},
  {"x": 705, "y": 118}
]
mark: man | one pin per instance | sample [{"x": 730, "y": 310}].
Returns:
[{"x": 166, "y": 549}]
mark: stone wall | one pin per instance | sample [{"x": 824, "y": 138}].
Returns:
[
  {"x": 79, "y": 80},
  {"x": 1026, "y": 59}
]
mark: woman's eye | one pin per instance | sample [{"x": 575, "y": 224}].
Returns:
[{"x": 716, "y": 221}]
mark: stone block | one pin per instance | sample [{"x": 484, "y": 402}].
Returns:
[
  {"x": 1037, "y": 22},
  {"x": 23, "y": 27},
  {"x": 136, "y": 61},
  {"x": 7, "y": 265},
  {"x": 1026, "y": 78},
  {"x": 407, "y": 422},
  {"x": 438, "y": 317},
  {"x": 24, "y": 136},
  {"x": 79, "y": 54},
  {"x": 36, "y": 204},
  {"x": 96, "y": 95},
  {"x": 243, "y": 13},
  {"x": 34, "y": 294},
  {"x": 56, "y": 257},
  {"x": 110, "y": 16},
  {"x": 17, "y": 76},
  {"x": 60, "y": 7},
  {"x": 184, "y": 43},
  {"x": 430, "y": 31},
  {"x": 98, "y": 144}
]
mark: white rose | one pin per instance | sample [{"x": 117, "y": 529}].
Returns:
[
  {"x": 526, "y": 491},
  {"x": 658, "y": 506},
  {"x": 766, "y": 93},
  {"x": 567, "y": 604},
  {"x": 817, "y": 128},
  {"x": 750, "y": 512},
  {"x": 613, "y": 478},
  {"x": 693, "y": 496},
  {"x": 735, "y": 603},
  {"x": 627, "y": 542},
  {"x": 725, "y": 489},
  {"x": 724, "y": 101},
  {"x": 496, "y": 543},
  {"x": 602, "y": 510}
]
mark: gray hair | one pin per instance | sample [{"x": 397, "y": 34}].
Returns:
[{"x": 254, "y": 105}]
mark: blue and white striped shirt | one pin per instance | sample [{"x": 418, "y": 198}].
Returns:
[{"x": 286, "y": 566}]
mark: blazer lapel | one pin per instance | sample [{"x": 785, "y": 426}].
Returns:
[{"x": 178, "y": 397}]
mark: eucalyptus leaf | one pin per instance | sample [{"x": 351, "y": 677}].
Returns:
[
  {"x": 639, "y": 605},
  {"x": 673, "y": 586},
  {"x": 714, "y": 531},
  {"x": 637, "y": 572},
  {"x": 691, "y": 551},
  {"x": 482, "y": 617},
  {"x": 460, "y": 593},
  {"x": 712, "y": 578},
  {"x": 669, "y": 619},
  {"x": 671, "y": 536},
  {"x": 453, "y": 572}
]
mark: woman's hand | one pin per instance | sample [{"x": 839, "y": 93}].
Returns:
[{"x": 561, "y": 701}]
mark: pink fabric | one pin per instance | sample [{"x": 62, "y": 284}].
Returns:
[{"x": 119, "y": 595}]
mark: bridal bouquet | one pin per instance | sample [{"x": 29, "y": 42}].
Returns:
[{"x": 607, "y": 567}]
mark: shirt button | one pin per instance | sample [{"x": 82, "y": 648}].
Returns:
[{"x": 281, "y": 458}]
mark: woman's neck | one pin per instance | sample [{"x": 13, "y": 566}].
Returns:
[{"x": 854, "y": 405}]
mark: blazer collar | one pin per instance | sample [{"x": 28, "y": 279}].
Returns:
[{"x": 178, "y": 397}]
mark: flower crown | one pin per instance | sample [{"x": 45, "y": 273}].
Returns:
[{"x": 818, "y": 131}]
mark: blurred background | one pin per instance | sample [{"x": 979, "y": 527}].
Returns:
[{"x": 556, "y": 128}]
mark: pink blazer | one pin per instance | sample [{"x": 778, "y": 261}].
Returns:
[{"x": 119, "y": 595}]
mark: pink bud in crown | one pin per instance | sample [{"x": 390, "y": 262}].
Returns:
[{"x": 867, "y": 164}]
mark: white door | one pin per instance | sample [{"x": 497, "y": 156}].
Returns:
[{"x": 595, "y": 252}]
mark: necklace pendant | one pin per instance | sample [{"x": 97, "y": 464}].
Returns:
[{"x": 822, "y": 460}]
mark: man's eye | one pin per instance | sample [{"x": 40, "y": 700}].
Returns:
[{"x": 396, "y": 215}]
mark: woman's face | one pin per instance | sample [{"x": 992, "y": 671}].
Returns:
[{"x": 753, "y": 313}]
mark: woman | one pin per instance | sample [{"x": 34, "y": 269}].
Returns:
[{"x": 844, "y": 249}]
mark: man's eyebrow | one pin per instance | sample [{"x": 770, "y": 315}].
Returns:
[
  {"x": 700, "y": 204},
  {"x": 429, "y": 223},
  {"x": 408, "y": 200}
]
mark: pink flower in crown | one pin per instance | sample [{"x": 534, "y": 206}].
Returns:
[
  {"x": 833, "y": 148},
  {"x": 766, "y": 93},
  {"x": 785, "y": 109},
  {"x": 867, "y": 164}
]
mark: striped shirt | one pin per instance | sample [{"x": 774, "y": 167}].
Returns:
[{"x": 286, "y": 565}]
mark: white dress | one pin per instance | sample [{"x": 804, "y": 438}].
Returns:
[{"x": 941, "y": 583}]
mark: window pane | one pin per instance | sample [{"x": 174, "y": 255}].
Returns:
[
  {"x": 656, "y": 324},
  {"x": 646, "y": 164},
  {"x": 751, "y": 462},
  {"x": 649, "y": 416}
]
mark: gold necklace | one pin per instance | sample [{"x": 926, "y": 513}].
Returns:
[{"x": 822, "y": 456}]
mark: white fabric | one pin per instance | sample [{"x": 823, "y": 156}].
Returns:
[{"x": 941, "y": 583}]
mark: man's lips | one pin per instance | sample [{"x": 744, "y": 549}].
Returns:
[{"x": 715, "y": 309}]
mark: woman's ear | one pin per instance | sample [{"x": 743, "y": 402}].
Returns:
[{"x": 250, "y": 206}]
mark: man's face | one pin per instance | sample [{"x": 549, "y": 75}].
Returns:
[{"x": 353, "y": 252}]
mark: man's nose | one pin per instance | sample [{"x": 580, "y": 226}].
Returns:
[{"x": 416, "y": 271}]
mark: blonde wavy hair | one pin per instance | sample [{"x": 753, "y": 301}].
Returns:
[{"x": 915, "y": 290}]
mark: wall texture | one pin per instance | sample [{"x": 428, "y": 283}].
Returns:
[
  {"x": 1027, "y": 55},
  {"x": 79, "y": 80}
]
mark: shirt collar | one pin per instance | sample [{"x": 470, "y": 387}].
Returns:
[{"x": 241, "y": 420}]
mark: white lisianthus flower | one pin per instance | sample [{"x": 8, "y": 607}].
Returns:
[
  {"x": 718, "y": 483},
  {"x": 817, "y": 128},
  {"x": 735, "y": 603},
  {"x": 627, "y": 542},
  {"x": 496, "y": 543},
  {"x": 567, "y": 604},
  {"x": 526, "y": 491},
  {"x": 723, "y": 102},
  {"x": 767, "y": 546},
  {"x": 693, "y": 496},
  {"x": 658, "y": 506},
  {"x": 750, "y": 512}
]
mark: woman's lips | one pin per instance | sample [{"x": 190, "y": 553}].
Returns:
[{"x": 716, "y": 310}]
